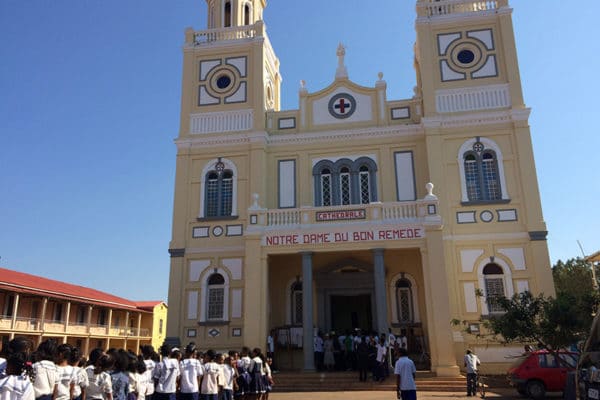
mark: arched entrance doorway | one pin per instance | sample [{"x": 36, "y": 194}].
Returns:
[{"x": 345, "y": 296}]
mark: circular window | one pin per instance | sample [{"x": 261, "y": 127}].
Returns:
[
  {"x": 465, "y": 56},
  {"x": 223, "y": 82}
]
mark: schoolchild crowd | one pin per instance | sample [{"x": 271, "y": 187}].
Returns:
[
  {"x": 358, "y": 351},
  {"x": 60, "y": 372}
]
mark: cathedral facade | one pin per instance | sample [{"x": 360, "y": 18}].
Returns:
[{"x": 354, "y": 211}]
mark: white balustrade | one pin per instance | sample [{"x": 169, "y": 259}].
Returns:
[
  {"x": 447, "y": 7},
  {"x": 216, "y": 35}
]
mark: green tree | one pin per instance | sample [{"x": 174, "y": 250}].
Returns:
[{"x": 550, "y": 322}]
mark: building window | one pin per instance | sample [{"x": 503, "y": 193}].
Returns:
[
  {"x": 58, "y": 312},
  {"x": 404, "y": 297},
  {"x": 247, "y": 14},
  {"x": 227, "y": 14},
  {"x": 482, "y": 174},
  {"x": 365, "y": 185},
  {"x": 9, "y": 305},
  {"x": 493, "y": 278},
  {"x": 102, "y": 317},
  {"x": 345, "y": 182},
  {"x": 80, "y": 317},
  {"x": 219, "y": 189},
  {"x": 345, "y": 187},
  {"x": 215, "y": 297},
  {"x": 326, "y": 187},
  {"x": 296, "y": 303}
]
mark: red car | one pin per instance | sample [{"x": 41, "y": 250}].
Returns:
[{"x": 538, "y": 372}]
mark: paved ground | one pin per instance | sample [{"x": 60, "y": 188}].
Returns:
[{"x": 501, "y": 394}]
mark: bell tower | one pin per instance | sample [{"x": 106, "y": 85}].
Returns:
[
  {"x": 230, "y": 72},
  {"x": 466, "y": 56}
]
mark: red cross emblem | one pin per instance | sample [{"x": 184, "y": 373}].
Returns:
[{"x": 342, "y": 105}]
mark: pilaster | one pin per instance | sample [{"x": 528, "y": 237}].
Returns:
[
  {"x": 255, "y": 294},
  {"x": 437, "y": 298}
]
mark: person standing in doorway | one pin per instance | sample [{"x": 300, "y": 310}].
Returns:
[
  {"x": 405, "y": 371},
  {"x": 471, "y": 363}
]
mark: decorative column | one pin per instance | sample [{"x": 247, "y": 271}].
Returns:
[
  {"x": 380, "y": 292},
  {"x": 67, "y": 317},
  {"x": 43, "y": 319},
  {"x": 307, "y": 311},
  {"x": 15, "y": 310}
]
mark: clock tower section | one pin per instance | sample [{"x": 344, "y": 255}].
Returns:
[{"x": 230, "y": 71}]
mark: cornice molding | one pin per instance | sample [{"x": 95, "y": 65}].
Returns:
[
  {"x": 228, "y": 139},
  {"x": 477, "y": 118}
]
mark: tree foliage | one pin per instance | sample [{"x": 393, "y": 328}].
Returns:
[{"x": 550, "y": 322}]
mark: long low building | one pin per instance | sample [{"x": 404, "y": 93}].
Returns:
[{"x": 41, "y": 308}]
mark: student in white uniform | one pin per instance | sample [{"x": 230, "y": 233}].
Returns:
[
  {"x": 148, "y": 353},
  {"x": 81, "y": 379},
  {"x": 210, "y": 381},
  {"x": 66, "y": 374},
  {"x": 167, "y": 373},
  {"x": 46, "y": 372},
  {"x": 229, "y": 377},
  {"x": 191, "y": 374},
  {"x": 15, "y": 384},
  {"x": 100, "y": 384}
]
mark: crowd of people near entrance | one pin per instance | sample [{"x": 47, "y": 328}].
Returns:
[
  {"x": 367, "y": 353},
  {"x": 60, "y": 372},
  {"x": 380, "y": 354}
]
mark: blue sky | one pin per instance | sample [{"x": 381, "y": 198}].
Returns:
[{"x": 89, "y": 108}]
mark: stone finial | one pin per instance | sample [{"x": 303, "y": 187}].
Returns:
[
  {"x": 255, "y": 197},
  {"x": 303, "y": 89},
  {"x": 380, "y": 75},
  {"x": 430, "y": 196},
  {"x": 341, "y": 71}
]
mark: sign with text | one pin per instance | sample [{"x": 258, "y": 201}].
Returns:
[
  {"x": 340, "y": 215},
  {"x": 365, "y": 235}
]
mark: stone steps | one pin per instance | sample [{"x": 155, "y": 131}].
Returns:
[{"x": 348, "y": 381}]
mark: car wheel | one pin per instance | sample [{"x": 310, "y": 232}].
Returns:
[{"x": 536, "y": 390}]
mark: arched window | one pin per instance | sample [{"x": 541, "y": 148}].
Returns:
[
  {"x": 345, "y": 182},
  {"x": 227, "y": 14},
  {"x": 365, "y": 185},
  {"x": 404, "y": 305},
  {"x": 493, "y": 278},
  {"x": 482, "y": 173},
  {"x": 215, "y": 297},
  {"x": 218, "y": 191},
  {"x": 296, "y": 303},
  {"x": 247, "y": 14},
  {"x": 345, "y": 186}
]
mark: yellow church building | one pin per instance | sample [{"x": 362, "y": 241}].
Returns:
[{"x": 354, "y": 210}]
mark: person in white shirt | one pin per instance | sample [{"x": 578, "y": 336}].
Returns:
[
  {"x": 405, "y": 371},
  {"x": 209, "y": 388},
  {"x": 100, "y": 384},
  {"x": 166, "y": 374},
  {"x": 15, "y": 384},
  {"x": 471, "y": 363},
  {"x": 141, "y": 379},
  {"x": 46, "y": 372},
  {"x": 318, "y": 349},
  {"x": 148, "y": 353},
  {"x": 229, "y": 377},
  {"x": 81, "y": 379},
  {"x": 66, "y": 374},
  {"x": 244, "y": 378},
  {"x": 380, "y": 360},
  {"x": 191, "y": 374}
]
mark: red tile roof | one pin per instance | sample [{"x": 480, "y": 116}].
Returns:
[
  {"x": 32, "y": 284},
  {"x": 148, "y": 305}
]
